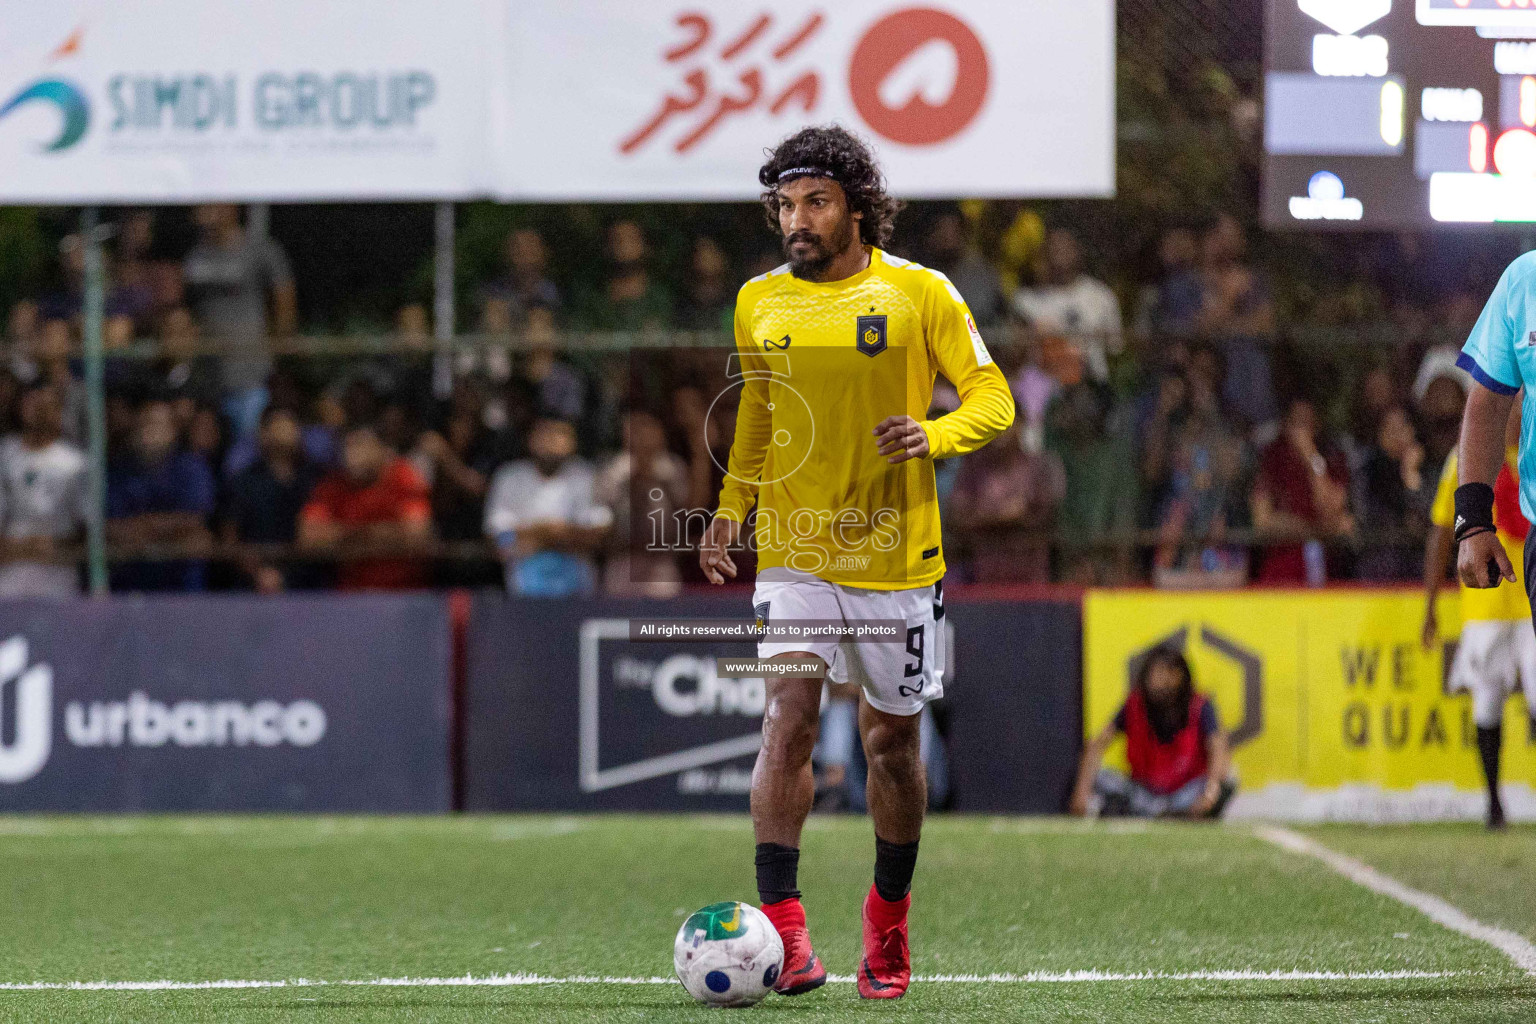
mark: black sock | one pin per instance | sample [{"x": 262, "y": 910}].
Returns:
[
  {"x": 1489, "y": 742},
  {"x": 777, "y": 871},
  {"x": 894, "y": 863}
]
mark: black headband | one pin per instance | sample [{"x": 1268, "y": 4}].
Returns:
[{"x": 802, "y": 172}]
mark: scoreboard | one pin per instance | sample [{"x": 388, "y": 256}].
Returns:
[{"x": 1399, "y": 113}]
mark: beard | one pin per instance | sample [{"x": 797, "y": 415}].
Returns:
[{"x": 819, "y": 252}]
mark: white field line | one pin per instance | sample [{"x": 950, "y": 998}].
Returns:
[
  {"x": 1517, "y": 947},
  {"x": 519, "y": 980}
]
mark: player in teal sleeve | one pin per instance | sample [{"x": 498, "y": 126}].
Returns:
[
  {"x": 1489, "y": 354},
  {"x": 1500, "y": 354}
]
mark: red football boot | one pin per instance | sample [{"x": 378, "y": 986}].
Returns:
[
  {"x": 886, "y": 969},
  {"x": 802, "y": 967}
]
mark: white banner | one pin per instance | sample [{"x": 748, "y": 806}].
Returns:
[
  {"x": 288, "y": 100},
  {"x": 185, "y": 100},
  {"x": 613, "y": 99}
]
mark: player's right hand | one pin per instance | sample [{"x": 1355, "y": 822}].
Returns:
[
  {"x": 714, "y": 553},
  {"x": 1473, "y": 556}
]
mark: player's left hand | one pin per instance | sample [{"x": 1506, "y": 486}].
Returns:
[{"x": 901, "y": 438}]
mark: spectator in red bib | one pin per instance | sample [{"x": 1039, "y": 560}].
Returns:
[
  {"x": 1179, "y": 755},
  {"x": 375, "y": 500}
]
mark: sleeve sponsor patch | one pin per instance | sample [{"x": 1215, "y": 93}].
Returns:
[{"x": 983, "y": 357}]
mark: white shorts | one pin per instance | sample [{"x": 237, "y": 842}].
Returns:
[
  {"x": 1495, "y": 659},
  {"x": 897, "y": 678}
]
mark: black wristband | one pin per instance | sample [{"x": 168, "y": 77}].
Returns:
[{"x": 1474, "y": 510}]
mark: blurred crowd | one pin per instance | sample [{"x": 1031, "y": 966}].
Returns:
[{"x": 1171, "y": 439}]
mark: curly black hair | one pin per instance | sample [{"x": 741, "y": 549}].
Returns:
[{"x": 847, "y": 160}]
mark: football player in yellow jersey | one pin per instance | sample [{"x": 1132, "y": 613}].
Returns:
[
  {"x": 836, "y": 356},
  {"x": 1497, "y": 651}
]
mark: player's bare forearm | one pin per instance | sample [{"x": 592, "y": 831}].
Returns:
[
  {"x": 1482, "y": 435},
  {"x": 1481, "y": 560}
]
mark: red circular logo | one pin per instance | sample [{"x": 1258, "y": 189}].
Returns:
[{"x": 887, "y": 46}]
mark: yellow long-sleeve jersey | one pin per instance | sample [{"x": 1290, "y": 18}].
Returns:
[{"x": 819, "y": 365}]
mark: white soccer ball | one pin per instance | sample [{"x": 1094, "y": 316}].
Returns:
[{"x": 728, "y": 954}]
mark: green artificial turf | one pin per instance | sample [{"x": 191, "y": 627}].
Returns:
[
  {"x": 212, "y": 898},
  {"x": 1490, "y": 875}
]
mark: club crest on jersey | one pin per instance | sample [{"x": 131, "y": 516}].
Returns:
[{"x": 870, "y": 336}]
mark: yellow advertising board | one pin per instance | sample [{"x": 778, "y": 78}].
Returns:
[{"x": 1335, "y": 709}]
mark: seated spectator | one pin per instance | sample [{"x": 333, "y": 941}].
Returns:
[
  {"x": 42, "y": 501},
  {"x": 411, "y": 365},
  {"x": 1043, "y": 365},
  {"x": 10, "y": 402},
  {"x": 644, "y": 486},
  {"x": 117, "y": 336},
  {"x": 22, "y": 325},
  {"x": 491, "y": 360},
  {"x": 545, "y": 518},
  {"x": 1375, "y": 395},
  {"x": 263, "y": 501},
  {"x": 1003, "y": 508},
  {"x": 1395, "y": 494},
  {"x": 403, "y": 369},
  {"x": 179, "y": 374},
  {"x": 1169, "y": 308},
  {"x": 319, "y": 435},
  {"x": 159, "y": 494},
  {"x": 133, "y": 272},
  {"x": 397, "y": 425},
  {"x": 1439, "y": 394},
  {"x": 204, "y": 435},
  {"x": 1199, "y": 489},
  {"x": 948, "y": 249},
  {"x": 709, "y": 303},
  {"x": 1069, "y": 304},
  {"x": 457, "y": 464},
  {"x": 562, "y": 394},
  {"x": 376, "y": 500},
  {"x": 48, "y": 364},
  {"x": 1237, "y": 314},
  {"x": 1301, "y": 495},
  {"x": 628, "y": 299},
  {"x": 1169, "y": 406},
  {"x": 1179, "y": 756},
  {"x": 1095, "y": 450},
  {"x": 525, "y": 283}
]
